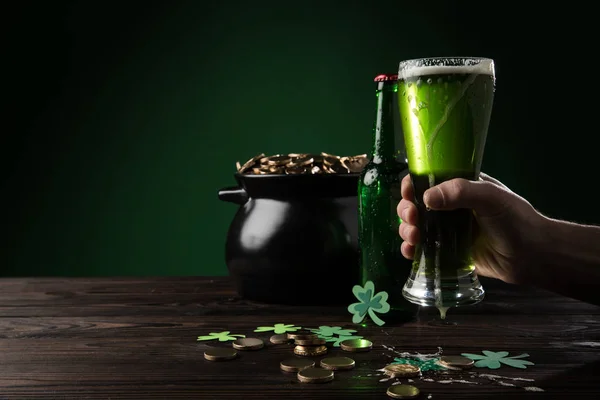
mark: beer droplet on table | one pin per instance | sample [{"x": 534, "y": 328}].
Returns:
[
  {"x": 337, "y": 363},
  {"x": 279, "y": 339},
  {"x": 443, "y": 312},
  {"x": 220, "y": 354},
  {"x": 296, "y": 364},
  {"x": 456, "y": 362},
  {"x": 315, "y": 375},
  {"x": 248, "y": 344},
  {"x": 402, "y": 370},
  {"x": 310, "y": 351},
  {"x": 355, "y": 345},
  {"x": 403, "y": 392}
]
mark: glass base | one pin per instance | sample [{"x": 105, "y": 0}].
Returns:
[{"x": 457, "y": 291}]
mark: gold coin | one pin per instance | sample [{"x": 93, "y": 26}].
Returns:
[
  {"x": 220, "y": 354},
  {"x": 238, "y": 166},
  {"x": 315, "y": 170},
  {"x": 328, "y": 156},
  {"x": 278, "y": 160},
  {"x": 300, "y": 162},
  {"x": 279, "y": 339},
  {"x": 402, "y": 370},
  {"x": 259, "y": 171},
  {"x": 337, "y": 363},
  {"x": 248, "y": 164},
  {"x": 296, "y": 155},
  {"x": 403, "y": 392},
  {"x": 456, "y": 362},
  {"x": 248, "y": 344},
  {"x": 273, "y": 169},
  {"x": 310, "y": 351},
  {"x": 315, "y": 375},
  {"x": 296, "y": 364},
  {"x": 356, "y": 163},
  {"x": 342, "y": 166},
  {"x": 295, "y": 170},
  {"x": 310, "y": 342},
  {"x": 355, "y": 345},
  {"x": 302, "y": 334}
]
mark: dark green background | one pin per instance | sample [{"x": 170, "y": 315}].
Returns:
[{"x": 121, "y": 120}]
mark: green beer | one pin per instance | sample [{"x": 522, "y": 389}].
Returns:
[
  {"x": 379, "y": 194},
  {"x": 445, "y": 106}
]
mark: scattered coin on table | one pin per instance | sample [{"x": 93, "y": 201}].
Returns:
[
  {"x": 337, "y": 363},
  {"x": 456, "y": 362},
  {"x": 356, "y": 345},
  {"x": 220, "y": 354},
  {"x": 248, "y": 344},
  {"x": 315, "y": 375},
  {"x": 280, "y": 339},
  {"x": 296, "y": 364},
  {"x": 402, "y": 370},
  {"x": 310, "y": 351},
  {"x": 403, "y": 391}
]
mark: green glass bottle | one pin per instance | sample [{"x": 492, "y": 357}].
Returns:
[{"x": 381, "y": 260}]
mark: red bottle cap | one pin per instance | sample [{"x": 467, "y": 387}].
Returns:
[{"x": 386, "y": 77}]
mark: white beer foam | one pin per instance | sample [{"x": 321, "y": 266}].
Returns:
[{"x": 484, "y": 67}]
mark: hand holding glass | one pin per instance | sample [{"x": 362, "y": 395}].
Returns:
[{"x": 445, "y": 108}]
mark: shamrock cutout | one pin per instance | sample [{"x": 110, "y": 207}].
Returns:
[
  {"x": 278, "y": 328},
  {"x": 492, "y": 359},
  {"x": 370, "y": 303},
  {"x": 424, "y": 365},
  {"x": 337, "y": 340},
  {"x": 328, "y": 331},
  {"x": 222, "y": 336}
]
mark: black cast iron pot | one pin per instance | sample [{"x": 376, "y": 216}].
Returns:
[{"x": 294, "y": 238}]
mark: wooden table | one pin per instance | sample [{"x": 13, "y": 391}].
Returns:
[{"x": 131, "y": 338}]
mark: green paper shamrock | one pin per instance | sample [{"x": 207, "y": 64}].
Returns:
[
  {"x": 328, "y": 331},
  {"x": 278, "y": 328},
  {"x": 222, "y": 336},
  {"x": 337, "y": 340},
  {"x": 428, "y": 365},
  {"x": 492, "y": 359},
  {"x": 370, "y": 303}
]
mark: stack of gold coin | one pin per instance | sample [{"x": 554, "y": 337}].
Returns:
[
  {"x": 302, "y": 163},
  {"x": 307, "y": 343}
]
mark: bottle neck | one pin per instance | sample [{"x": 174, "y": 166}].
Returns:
[{"x": 388, "y": 140}]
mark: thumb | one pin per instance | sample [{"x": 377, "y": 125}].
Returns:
[{"x": 485, "y": 198}]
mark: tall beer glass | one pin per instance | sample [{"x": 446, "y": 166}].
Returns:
[{"x": 445, "y": 107}]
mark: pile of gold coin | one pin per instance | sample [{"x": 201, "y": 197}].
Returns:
[
  {"x": 305, "y": 163},
  {"x": 308, "y": 344}
]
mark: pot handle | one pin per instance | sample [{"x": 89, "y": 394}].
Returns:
[{"x": 233, "y": 194}]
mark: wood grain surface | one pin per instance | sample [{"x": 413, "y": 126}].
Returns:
[{"x": 133, "y": 338}]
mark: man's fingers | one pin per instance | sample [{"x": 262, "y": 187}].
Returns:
[
  {"x": 406, "y": 189},
  {"x": 407, "y": 211},
  {"x": 408, "y": 250},
  {"x": 486, "y": 198}
]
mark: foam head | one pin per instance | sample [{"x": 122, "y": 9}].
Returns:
[{"x": 445, "y": 65}]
